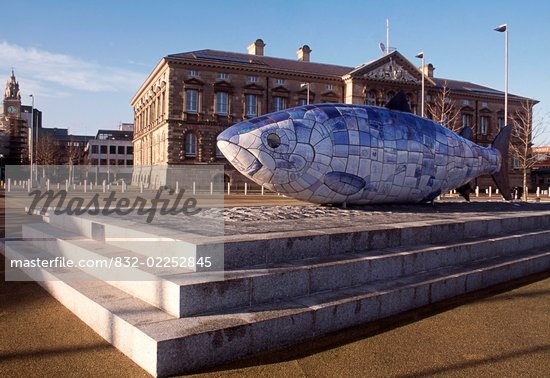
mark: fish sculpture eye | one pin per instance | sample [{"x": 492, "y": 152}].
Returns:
[{"x": 273, "y": 140}]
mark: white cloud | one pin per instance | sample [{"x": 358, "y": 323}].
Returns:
[{"x": 44, "y": 68}]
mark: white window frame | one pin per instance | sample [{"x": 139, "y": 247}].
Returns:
[
  {"x": 483, "y": 125},
  {"x": 252, "y": 79},
  {"x": 279, "y": 103},
  {"x": 280, "y": 81},
  {"x": 251, "y": 105},
  {"x": 465, "y": 118},
  {"x": 191, "y": 100},
  {"x": 329, "y": 87},
  {"x": 190, "y": 145},
  {"x": 223, "y": 76},
  {"x": 222, "y": 102},
  {"x": 194, "y": 73}
]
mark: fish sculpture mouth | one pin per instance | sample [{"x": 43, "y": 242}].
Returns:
[{"x": 240, "y": 157}]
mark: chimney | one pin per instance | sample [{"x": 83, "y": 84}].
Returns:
[
  {"x": 428, "y": 70},
  {"x": 303, "y": 53},
  {"x": 256, "y": 48}
]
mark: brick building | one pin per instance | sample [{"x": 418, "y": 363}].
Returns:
[{"x": 190, "y": 98}]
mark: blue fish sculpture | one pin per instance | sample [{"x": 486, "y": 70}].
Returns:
[{"x": 353, "y": 154}]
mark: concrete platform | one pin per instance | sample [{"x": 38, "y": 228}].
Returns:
[{"x": 318, "y": 282}]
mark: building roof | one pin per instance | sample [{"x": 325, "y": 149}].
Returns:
[
  {"x": 103, "y": 134},
  {"x": 472, "y": 88},
  {"x": 268, "y": 62}
]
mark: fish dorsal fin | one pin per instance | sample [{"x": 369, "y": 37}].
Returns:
[
  {"x": 466, "y": 133},
  {"x": 399, "y": 102}
]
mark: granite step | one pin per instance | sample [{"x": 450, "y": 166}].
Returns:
[
  {"x": 164, "y": 345},
  {"x": 184, "y": 294},
  {"x": 243, "y": 251}
]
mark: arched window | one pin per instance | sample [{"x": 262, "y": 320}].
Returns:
[
  {"x": 371, "y": 97},
  {"x": 190, "y": 145}
]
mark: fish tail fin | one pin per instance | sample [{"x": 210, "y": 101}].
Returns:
[{"x": 501, "y": 144}]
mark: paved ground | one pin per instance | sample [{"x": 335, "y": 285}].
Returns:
[{"x": 504, "y": 332}]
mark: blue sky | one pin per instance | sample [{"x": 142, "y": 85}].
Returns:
[{"x": 84, "y": 60}]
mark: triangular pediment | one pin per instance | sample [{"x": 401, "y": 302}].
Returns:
[
  {"x": 329, "y": 94},
  {"x": 392, "y": 67},
  {"x": 193, "y": 81},
  {"x": 253, "y": 87},
  {"x": 280, "y": 89},
  {"x": 223, "y": 86}
]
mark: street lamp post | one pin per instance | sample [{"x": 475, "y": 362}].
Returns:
[
  {"x": 421, "y": 56},
  {"x": 306, "y": 85},
  {"x": 31, "y": 142},
  {"x": 504, "y": 29}
]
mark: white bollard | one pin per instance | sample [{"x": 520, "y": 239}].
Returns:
[
  {"x": 85, "y": 186},
  {"x": 9, "y": 185},
  {"x": 194, "y": 187},
  {"x": 141, "y": 187},
  {"x": 123, "y": 188},
  {"x": 104, "y": 185},
  {"x": 29, "y": 186},
  {"x": 490, "y": 191},
  {"x": 48, "y": 185},
  {"x": 74, "y": 186},
  {"x": 66, "y": 185},
  {"x": 177, "y": 186},
  {"x": 228, "y": 188},
  {"x": 57, "y": 186},
  {"x": 538, "y": 191},
  {"x": 211, "y": 188},
  {"x": 262, "y": 190},
  {"x": 245, "y": 188},
  {"x": 477, "y": 191}
]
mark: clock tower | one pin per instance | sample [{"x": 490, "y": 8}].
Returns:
[{"x": 12, "y": 98}]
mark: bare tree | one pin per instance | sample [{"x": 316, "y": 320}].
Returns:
[
  {"x": 526, "y": 129},
  {"x": 47, "y": 151},
  {"x": 444, "y": 110},
  {"x": 75, "y": 153}
]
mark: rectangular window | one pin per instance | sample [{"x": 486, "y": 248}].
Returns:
[
  {"x": 103, "y": 149},
  {"x": 500, "y": 123},
  {"x": 191, "y": 100},
  {"x": 103, "y": 162},
  {"x": 280, "y": 81},
  {"x": 515, "y": 162},
  {"x": 120, "y": 150},
  {"x": 484, "y": 105},
  {"x": 465, "y": 102},
  {"x": 129, "y": 162},
  {"x": 193, "y": 73},
  {"x": 280, "y": 103},
  {"x": 483, "y": 125},
  {"x": 130, "y": 150},
  {"x": 252, "y": 79},
  {"x": 112, "y": 150},
  {"x": 329, "y": 87},
  {"x": 95, "y": 149},
  {"x": 465, "y": 120},
  {"x": 251, "y": 105},
  {"x": 302, "y": 101},
  {"x": 221, "y": 102},
  {"x": 223, "y": 76}
]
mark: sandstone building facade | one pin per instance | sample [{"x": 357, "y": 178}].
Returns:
[{"x": 190, "y": 98}]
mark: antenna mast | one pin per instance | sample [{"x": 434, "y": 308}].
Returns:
[{"x": 387, "y": 35}]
